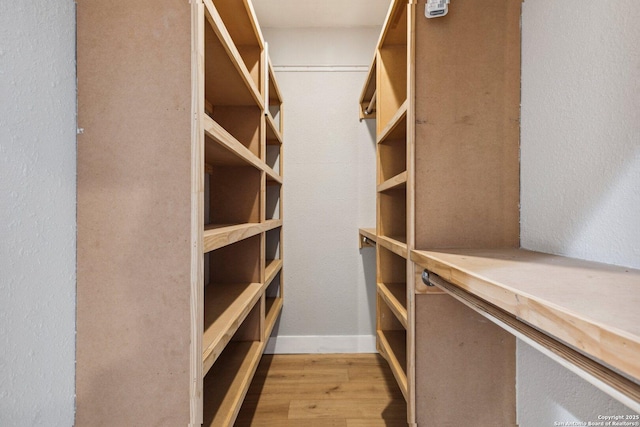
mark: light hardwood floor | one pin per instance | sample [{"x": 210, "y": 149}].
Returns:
[{"x": 338, "y": 390}]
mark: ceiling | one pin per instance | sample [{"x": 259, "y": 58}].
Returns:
[{"x": 320, "y": 13}]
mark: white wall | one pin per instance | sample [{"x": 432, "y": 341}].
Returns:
[
  {"x": 329, "y": 182},
  {"x": 37, "y": 212},
  {"x": 580, "y": 167}
]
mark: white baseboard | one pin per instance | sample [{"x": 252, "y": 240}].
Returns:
[{"x": 321, "y": 344}]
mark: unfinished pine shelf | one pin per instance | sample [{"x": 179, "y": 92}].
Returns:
[
  {"x": 369, "y": 95},
  {"x": 535, "y": 296},
  {"x": 445, "y": 96},
  {"x": 195, "y": 139},
  {"x": 367, "y": 237}
]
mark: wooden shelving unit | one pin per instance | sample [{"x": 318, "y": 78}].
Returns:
[
  {"x": 447, "y": 112},
  {"x": 173, "y": 323},
  {"x": 243, "y": 146}
]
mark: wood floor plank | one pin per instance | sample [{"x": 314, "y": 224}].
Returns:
[
  {"x": 376, "y": 423},
  {"x": 306, "y": 375},
  {"x": 293, "y": 423},
  {"x": 362, "y": 390},
  {"x": 272, "y": 409},
  {"x": 348, "y": 408},
  {"x": 371, "y": 374},
  {"x": 315, "y": 360},
  {"x": 341, "y": 390},
  {"x": 327, "y": 390},
  {"x": 292, "y": 361}
]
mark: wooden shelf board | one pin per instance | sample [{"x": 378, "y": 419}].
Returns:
[
  {"x": 228, "y": 381},
  {"x": 222, "y": 148},
  {"x": 275, "y": 96},
  {"x": 368, "y": 90},
  {"x": 218, "y": 235},
  {"x": 397, "y": 126},
  {"x": 398, "y": 181},
  {"x": 272, "y": 177},
  {"x": 395, "y": 296},
  {"x": 393, "y": 347},
  {"x": 273, "y": 308},
  {"x": 272, "y": 268},
  {"x": 226, "y": 307},
  {"x": 243, "y": 24},
  {"x": 390, "y": 35},
  {"x": 221, "y": 70},
  {"x": 590, "y": 306},
  {"x": 273, "y": 134},
  {"x": 392, "y": 19},
  {"x": 396, "y": 244},
  {"x": 217, "y": 154},
  {"x": 369, "y": 234}
]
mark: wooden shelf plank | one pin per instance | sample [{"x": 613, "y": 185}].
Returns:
[
  {"x": 395, "y": 296},
  {"x": 366, "y": 237},
  {"x": 274, "y": 137},
  {"x": 242, "y": 22},
  {"x": 219, "y": 235},
  {"x": 272, "y": 268},
  {"x": 368, "y": 90},
  {"x": 273, "y": 308},
  {"x": 397, "y": 126},
  {"x": 392, "y": 346},
  {"x": 228, "y": 381},
  {"x": 238, "y": 153},
  {"x": 396, "y": 244},
  {"x": 590, "y": 306},
  {"x": 226, "y": 307},
  {"x": 275, "y": 96},
  {"x": 272, "y": 177},
  {"x": 218, "y": 26},
  {"x": 394, "y": 14},
  {"x": 398, "y": 181},
  {"x": 369, "y": 233}
]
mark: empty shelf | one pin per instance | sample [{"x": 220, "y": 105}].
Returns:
[
  {"x": 393, "y": 347},
  {"x": 274, "y": 137},
  {"x": 395, "y": 296},
  {"x": 226, "y": 385},
  {"x": 226, "y": 307},
  {"x": 398, "y": 181},
  {"x": 396, "y": 244},
  {"x": 272, "y": 268}
]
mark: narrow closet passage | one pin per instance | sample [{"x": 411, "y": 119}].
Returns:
[{"x": 330, "y": 390}]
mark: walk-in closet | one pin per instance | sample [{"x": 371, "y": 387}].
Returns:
[{"x": 348, "y": 213}]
